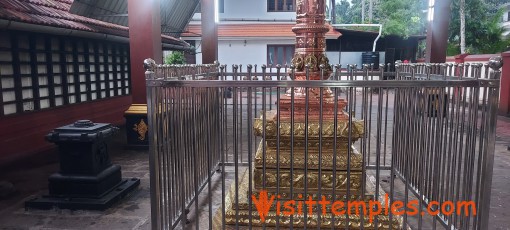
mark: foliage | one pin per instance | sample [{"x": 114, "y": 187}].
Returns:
[
  {"x": 492, "y": 40},
  {"x": 176, "y": 57},
  {"x": 399, "y": 17},
  {"x": 483, "y": 32},
  {"x": 342, "y": 12},
  {"x": 348, "y": 13},
  {"x": 494, "y": 5},
  {"x": 408, "y": 17}
]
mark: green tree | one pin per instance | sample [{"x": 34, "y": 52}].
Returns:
[
  {"x": 341, "y": 10},
  {"x": 348, "y": 13},
  {"x": 492, "y": 41},
  {"x": 401, "y": 17},
  {"x": 483, "y": 32},
  {"x": 176, "y": 57}
]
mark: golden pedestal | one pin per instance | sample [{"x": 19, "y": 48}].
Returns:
[
  {"x": 272, "y": 174},
  {"x": 241, "y": 214}
]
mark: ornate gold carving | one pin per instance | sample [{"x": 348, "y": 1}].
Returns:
[
  {"x": 297, "y": 61},
  {"x": 311, "y": 42},
  {"x": 322, "y": 43},
  {"x": 141, "y": 128},
  {"x": 297, "y": 180},
  {"x": 299, "y": 129},
  {"x": 244, "y": 194},
  {"x": 323, "y": 60},
  {"x": 241, "y": 213},
  {"x": 285, "y": 159},
  {"x": 311, "y": 61},
  {"x": 300, "y": 43},
  {"x": 313, "y": 145}
]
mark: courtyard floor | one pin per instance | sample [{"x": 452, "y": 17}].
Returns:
[{"x": 133, "y": 212}]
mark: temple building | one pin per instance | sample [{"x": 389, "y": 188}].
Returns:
[{"x": 57, "y": 67}]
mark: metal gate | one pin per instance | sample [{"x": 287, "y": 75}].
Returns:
[{"x": 225, "y": 138}]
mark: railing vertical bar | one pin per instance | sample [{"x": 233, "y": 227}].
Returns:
[
  {"x": 490, "y": 139},
  {"x": 319, "y": 181},
  {"x": 292, "y": 120},
  {"x": 307, "y": 103},
  {"x": 236, "y": 146},
  {"x": 395, "y": 140},
  {"x": 224, "y": 147},
  {"x": 335, "y": 143},
  {"x": 278, "y": 131},
  {"x": 448, "y": 148},
  {"x": 208, "y": 132},
  {"x": 154, "y": 160},
  {"x": 250, "y": 146},
  {"x": 349, "y": 145},
  {"x": 481, "y": 147},
  {"x": 264, "y": 122},
  {"x": 472, "y": 146},
  {"x": 194, "y": 149}
]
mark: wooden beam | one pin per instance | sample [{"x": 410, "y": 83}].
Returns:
[
  {"x": 437, "y": 32},
  {"x": 209, "y": 32},
  {"x": 144, "y": 42}
]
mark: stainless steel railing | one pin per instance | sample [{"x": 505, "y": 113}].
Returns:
[{"x": 429, "y": 135}]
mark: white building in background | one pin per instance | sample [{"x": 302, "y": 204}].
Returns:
[{"x": 252, "y": 32}]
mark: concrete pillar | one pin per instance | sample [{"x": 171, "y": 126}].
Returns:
[
  {"x": 209, "y": 32},
  {"x": 437, "y": 32},
  {"x": 144, "y": 42},
  {"x": 504, "y": 94}
]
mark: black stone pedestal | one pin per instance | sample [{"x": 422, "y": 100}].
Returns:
[
  {"x": 83, "y": 202},
  {"x": 87, "y": 179}
]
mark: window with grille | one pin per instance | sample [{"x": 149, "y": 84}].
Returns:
[
  {"x": 279, "y": 54},
  {"x": 39, "y": 71},
  {"x": 280, "y": 5}
]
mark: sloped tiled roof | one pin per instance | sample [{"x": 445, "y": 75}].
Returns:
[
  {"x": 55, "y": 13},
  {"x": 253, "y": 30}
]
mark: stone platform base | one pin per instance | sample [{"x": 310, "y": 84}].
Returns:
[
  {"x": 298, "y": 221},
  {"x": 79, "y": 203}
]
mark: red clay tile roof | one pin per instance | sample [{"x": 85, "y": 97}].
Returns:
[
  {"x": 55, "y": 13},
  {"x": 253, "y": 30}
]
